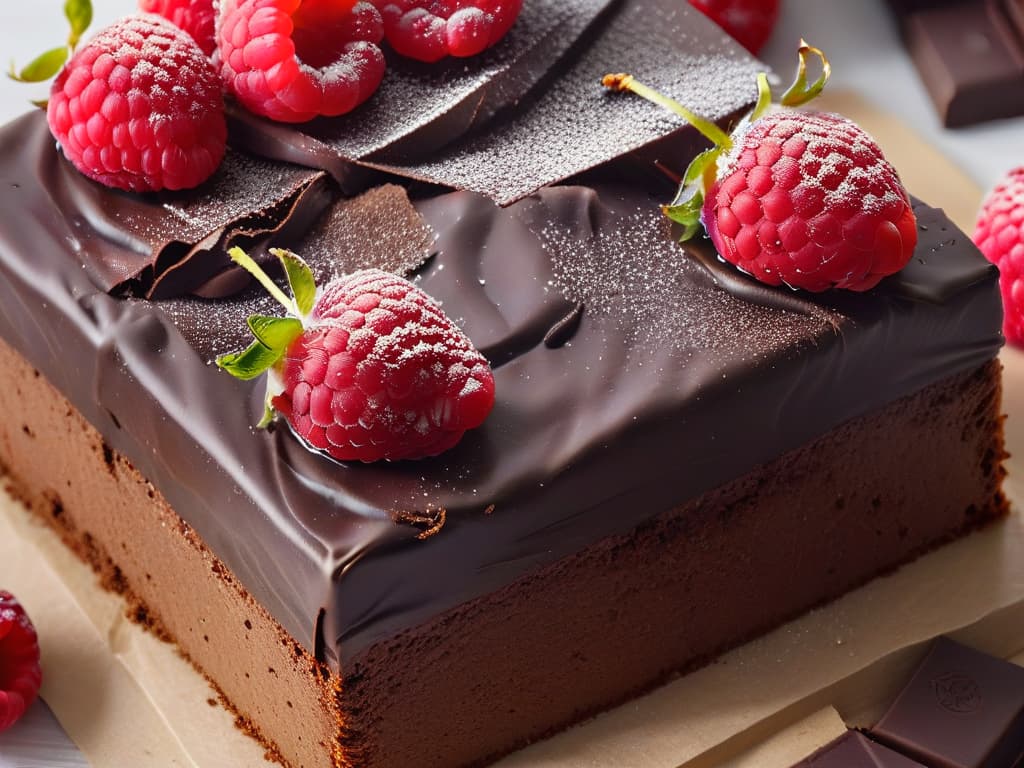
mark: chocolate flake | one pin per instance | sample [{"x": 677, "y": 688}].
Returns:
[
  {"x": 574, "y": 125},
  {"x": 420, "y": 108},
  {"x": 122, "y": 243},
  {"x": 380, "y": 228}
]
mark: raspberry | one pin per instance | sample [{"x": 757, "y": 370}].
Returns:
[
  {"x": 807, "y": 199},
  {"x": 382, "y": 373},
  {"x": 293, "y": 60},
  {"x": 800, "y": 198},
  {"x": 429, "y": 30},
  {"x": 194, "y": 16},
  {"x": 373, "y": 370},
  {"x": 749, "y": 22},
  {"x": 999, "y": 233},
  {"x": 139, "y": 107},
  {"x": 20, "y": 675}
]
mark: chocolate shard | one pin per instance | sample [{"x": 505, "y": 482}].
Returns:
[
  {"x": 420, "y": 108},
  {"x": 379, "y": 228},
  {"x": 574, "y": 125},
  {"x": 124, "y": 240},
  {"x": 961, "y": 709},
  {"x": 178, "y": 271},
  {"x": 970, "y": 56},
  {"x": 852, "y": 750}
]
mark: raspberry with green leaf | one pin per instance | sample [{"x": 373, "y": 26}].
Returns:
[
  {"x": 139, "y": 107},
  {"x": 802, "y": 199},
  {"x": 371, "y": 370}
]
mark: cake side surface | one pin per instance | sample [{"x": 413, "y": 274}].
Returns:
[
  {"x": 66, "y": 473},
  {"x": 634, "y": 610}
]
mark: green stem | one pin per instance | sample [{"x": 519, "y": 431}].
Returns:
[
  {"x": 764, "y": 97},
  {"x": 242, "y": 259},
  {"x": 799, "y": 92},
  {"x": 708, "y": 129}
]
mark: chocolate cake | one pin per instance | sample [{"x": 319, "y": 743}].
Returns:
[{"x": 678, "y": 459}]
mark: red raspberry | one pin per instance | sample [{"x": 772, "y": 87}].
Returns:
[
  {"x": 20, "y": 675},
  {"x": 807, "y": 199},
  {"x": 139, "y": 107},
  {"x": 382, "y": 373},
  {"x": 429, "y": 30},
  {"x": 194, "y": 16},
  {"x": 750, "y": 22},
  {"x": 292, "y": 60},
  {"x": 999, "y": 234}
]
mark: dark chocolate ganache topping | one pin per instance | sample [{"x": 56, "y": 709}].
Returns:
[{"x": 632, "y": 375}]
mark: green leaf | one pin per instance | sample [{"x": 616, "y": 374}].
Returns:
[
  {"x": 300, "y": 279},
  {"x": 41, "y": 68},
  {"x": 697, "y": 168},
  {"x": 255, "y": 359},
  {"x": 79, "y": 15},
  {"x": 685, "y": 208},
  {"x": 268, "y": 415},
  {"x": 687, "y": 214},
  {"x": 275, "y": 333}
]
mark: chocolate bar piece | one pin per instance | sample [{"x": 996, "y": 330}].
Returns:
[
  {"x": 961, "y": 709},
  {"x": 852, "y": 750},
  {"x": 970, "y": 56}
]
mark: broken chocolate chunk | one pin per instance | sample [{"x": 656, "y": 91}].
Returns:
[
  {"x": 970, "y": 56},
  {"x": 961, "y": 709},
  {"x": 420, "y": 108},
  {"x": 126, "y": 240},
  {"x": 852, "y": 750},
  {"x": 574, "y": 125}
]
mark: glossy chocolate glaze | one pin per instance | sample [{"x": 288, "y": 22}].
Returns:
[{"x": 665, "y": 387}]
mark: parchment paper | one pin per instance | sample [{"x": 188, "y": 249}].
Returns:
[{"x": 129, "y": 700}]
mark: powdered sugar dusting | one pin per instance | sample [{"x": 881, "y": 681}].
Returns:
[
  {"x": 631, "y": 271},
  {"x": 243, "y": 187},
  {"x": 413, "y": 96},
  {"x": 380, "y": 228}
]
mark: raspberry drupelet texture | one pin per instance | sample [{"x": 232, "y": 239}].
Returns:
[
  {"x": 430, "y": 30},
  {"x": 999, "y": 233},
  {"x": 197, "y": 17},
  {"x": 808, "y": 200},
  {"x": 293, "y": 60},
  {"x": 382, "y": 373},
  {"x": 20, "y": 674},
  {"x": 139, "y": 107}
]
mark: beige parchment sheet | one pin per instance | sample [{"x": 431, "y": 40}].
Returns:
[{"x": 128, "y": 699}]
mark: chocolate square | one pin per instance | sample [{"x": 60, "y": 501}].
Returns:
[
  {"x": 961, "y": 709},
  {"x": 853, "y": 750},
  {"x": 971, "y": 59}
]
